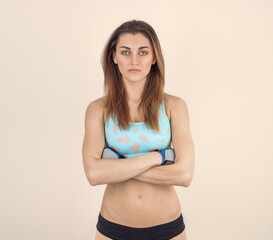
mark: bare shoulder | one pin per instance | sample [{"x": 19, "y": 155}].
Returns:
[
  {"x": 97, "y": 107},
  {"x": 172, "y": 103}
]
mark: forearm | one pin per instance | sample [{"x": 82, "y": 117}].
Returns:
[
  {"x": 104, "y": 171},
  {"x": 164, "y": 175}
]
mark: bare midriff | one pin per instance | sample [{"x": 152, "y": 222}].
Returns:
[{"x": 139, "y": 204}]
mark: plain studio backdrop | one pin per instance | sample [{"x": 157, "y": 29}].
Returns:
[{"x": 218, "y": 58}]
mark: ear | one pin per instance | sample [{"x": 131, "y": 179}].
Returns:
[
  {"x": 154, "y": 61},
  {"x": 114, "y": 56}
]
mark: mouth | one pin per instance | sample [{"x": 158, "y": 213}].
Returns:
[{"x": 134, "y": 70}]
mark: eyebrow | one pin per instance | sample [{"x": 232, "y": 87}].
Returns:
[{"x": 130, "y": 48}]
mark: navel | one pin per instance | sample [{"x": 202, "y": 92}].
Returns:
[{"x": 139, "y": 196}]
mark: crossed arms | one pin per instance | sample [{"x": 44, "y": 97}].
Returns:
[{"x": 144, "y": 167}]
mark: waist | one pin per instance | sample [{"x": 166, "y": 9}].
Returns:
[{"x": 131, "y": 201}]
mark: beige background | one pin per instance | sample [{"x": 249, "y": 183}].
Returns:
[{"x": 219, "y": 58}]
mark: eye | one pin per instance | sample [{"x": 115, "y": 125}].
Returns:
[
  {"x": 145, "y": 53},
  {"x": 123, "y": 52}
]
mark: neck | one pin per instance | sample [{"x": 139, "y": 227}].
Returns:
[{"x": 134, "y": 90}]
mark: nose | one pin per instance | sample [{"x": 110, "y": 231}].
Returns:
[{"x": 134, "y": 59}]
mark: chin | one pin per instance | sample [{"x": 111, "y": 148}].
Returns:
[{"x": 134, "y": 79}]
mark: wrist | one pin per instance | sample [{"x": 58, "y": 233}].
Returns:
[{"x": 162, "y": 153}]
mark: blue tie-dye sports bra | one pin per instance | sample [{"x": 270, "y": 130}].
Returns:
[{"x": 139, "y": 138}]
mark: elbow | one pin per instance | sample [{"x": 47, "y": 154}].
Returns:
[
  {"x": 185, "y": 179},
  {"x": 92, "y": 180},
  {"x": 187, "y": 183}
]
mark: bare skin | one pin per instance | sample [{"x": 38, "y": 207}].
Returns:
[
  {"x": 139, "y": 204},
  {"x": 133, "y": 202}
]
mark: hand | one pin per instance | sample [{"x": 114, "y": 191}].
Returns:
[{"x": 156, "y": 157}]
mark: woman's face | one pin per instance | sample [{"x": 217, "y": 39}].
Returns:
[{"x": 134, "y": 52}]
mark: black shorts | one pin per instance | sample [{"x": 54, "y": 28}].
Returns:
[{"x": 164, "y": 231}]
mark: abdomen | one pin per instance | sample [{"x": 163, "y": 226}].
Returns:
[{"x": 138, "y": 204}]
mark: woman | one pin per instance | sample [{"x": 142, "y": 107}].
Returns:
[{"x": 136, "y": 118}]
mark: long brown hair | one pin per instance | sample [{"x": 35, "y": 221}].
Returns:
[{"x": 114, "y": 89}]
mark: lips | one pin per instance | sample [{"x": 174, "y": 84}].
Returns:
[{"x": 134, "y": 70}]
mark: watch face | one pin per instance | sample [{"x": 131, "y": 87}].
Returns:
[
  {"x": 169, "y": 154},
  {"x": 109, "y": 153}
]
